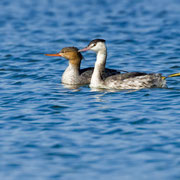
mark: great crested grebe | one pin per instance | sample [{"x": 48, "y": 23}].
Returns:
[
  {"x": 130, "y": 80},
  {"x": 73, "y": 75}
]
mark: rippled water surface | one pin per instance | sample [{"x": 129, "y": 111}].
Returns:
[{"x": 49, "y": 131}]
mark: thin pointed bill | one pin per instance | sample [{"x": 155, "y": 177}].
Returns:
[
  {"x": 57, "y": 54},
  {"x": 84, "y": 49}
]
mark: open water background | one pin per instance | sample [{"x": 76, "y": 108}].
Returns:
[{"x": 51, "y": 132}]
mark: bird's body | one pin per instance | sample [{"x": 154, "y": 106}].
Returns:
[{"x": 130, "y": 80}]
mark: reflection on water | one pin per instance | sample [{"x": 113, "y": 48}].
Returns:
[
  {"x": 73, "y": 87},
  {"x": 114, "y": 90}
]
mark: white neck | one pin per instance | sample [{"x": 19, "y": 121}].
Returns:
[
  {"x": 96, "y": 80},
  {"x": 70, "y": 74}
]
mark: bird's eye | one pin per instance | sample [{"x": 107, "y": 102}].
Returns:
[{"x": 94, "y": 44}]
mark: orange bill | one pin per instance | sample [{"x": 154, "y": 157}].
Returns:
[{"x": 57, "y": 54}]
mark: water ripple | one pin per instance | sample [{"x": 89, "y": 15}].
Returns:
[{"x": 54, "y": 131}]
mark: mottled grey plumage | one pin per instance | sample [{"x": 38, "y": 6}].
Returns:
[{"x": 134, "y": 80}]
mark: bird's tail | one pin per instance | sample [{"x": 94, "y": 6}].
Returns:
[{"x": 171, "y": 75}]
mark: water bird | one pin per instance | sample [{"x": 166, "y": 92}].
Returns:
[
  {"x": 129, "y": 80},
  {"x": 73, "y": 75}
]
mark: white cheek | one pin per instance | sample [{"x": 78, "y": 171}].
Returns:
[{"x": 94, "y": 49}]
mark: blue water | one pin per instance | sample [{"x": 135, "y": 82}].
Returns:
[{"x": 49, "y": 131}]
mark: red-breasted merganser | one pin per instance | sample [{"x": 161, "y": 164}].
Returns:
[
  {"x": 131, "y": 80},
  {"x": 73, "y": 75}
]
